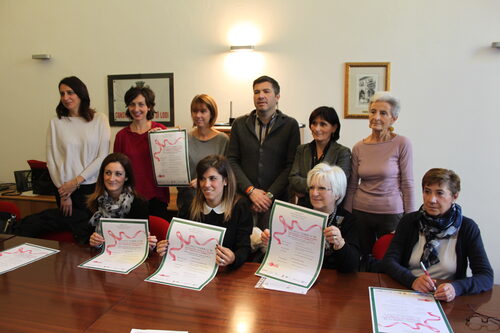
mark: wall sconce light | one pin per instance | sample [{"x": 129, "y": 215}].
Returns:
[
  {"x": 237, "y": 48},
  {"x": 495, "y": 45},
  {"x": 41, "y": 56},
  {"x": 242, "y": 62}
]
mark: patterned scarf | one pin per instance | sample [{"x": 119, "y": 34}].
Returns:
[
  {"x": 436, "y": 228},
  {"x": 107, "y": 207}
]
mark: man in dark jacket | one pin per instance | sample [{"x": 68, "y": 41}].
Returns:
[{"x": 262, "y": 148}]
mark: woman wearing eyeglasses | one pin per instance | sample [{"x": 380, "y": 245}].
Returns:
[{"x": 327, "y": 187}]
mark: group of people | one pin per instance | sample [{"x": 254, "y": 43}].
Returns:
[{"x": 367, "y": 193}]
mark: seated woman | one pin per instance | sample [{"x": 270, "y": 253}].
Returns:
[
  {"x": 443, "y": 240},
  {"x": 115, "y": 196},
  {"x": 327, "y": 186},
  {"x": 216, "y": 203}
]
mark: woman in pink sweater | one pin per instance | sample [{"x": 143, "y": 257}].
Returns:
[{"x": 381, "y": 186}]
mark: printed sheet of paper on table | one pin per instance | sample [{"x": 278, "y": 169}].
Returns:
[
  {"x": 125, "y": 246},
  {"x": 272, "y": 284},
  {"x": 296, "y": 248},
  {"x": 190, "y": 258},
  {"x": 170, "y": 157},
  {"x": 23, "y": 255},
  {"x": 402, "y": 311}
]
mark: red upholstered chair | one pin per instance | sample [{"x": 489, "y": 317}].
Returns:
[
  {"x": 158, "y": 227},
  {"x": 381, "y": 246},
  {"x": 11, "y": 208}
]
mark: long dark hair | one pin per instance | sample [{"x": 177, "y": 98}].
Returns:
[
  {"x": 100, "y": 187},
  {"x": 229, "y": 197},
  {"x": 81, "y": 91}
]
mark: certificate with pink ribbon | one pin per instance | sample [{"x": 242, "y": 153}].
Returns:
[
  {"x": 406, "y": 311},
  {"x": 296, "y": 248},
  {"x": 190, "y": 258},
  {"x": 125, "y": 246}
]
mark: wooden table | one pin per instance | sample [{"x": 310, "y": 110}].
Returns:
[
  {"x": 31, "y": 204},
  {"x": 230, "y": 303},
  {"x": 53, "y": 295}
]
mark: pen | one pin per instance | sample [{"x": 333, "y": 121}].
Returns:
[{"x": 427, "y": 273}]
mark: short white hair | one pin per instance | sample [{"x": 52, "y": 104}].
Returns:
[
  {"x": 387, "y": 97},
  {"x": 329, "y": 176}
]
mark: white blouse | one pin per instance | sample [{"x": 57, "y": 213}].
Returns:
[{"x": 447, "y": 266}]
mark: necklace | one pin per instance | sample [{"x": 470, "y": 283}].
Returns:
[{"x": 331, "y": 217}]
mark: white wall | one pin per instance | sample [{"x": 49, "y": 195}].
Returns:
[{"x": 443, "y": 69}]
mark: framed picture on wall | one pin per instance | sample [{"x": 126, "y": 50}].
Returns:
[
  {"x": 162, "y": 85},
  {"x": 362, "y": 80}
]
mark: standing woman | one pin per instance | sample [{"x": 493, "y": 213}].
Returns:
[
  {"x": 217, "y": 203},
  {"x": 324, "y": 124},
  {"x": 381, "y": 187},
  {"x": 203, "y": 140},
  {"x": 133, "y": 142},
  {"x": 77, "y": 142}
]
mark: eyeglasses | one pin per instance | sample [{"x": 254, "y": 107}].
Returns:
[
  {"x": 320, "y": 189},
  {"x": 477, "y": 321}
]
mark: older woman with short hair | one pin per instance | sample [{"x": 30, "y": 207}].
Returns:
[
  {"x": 327, "y": 188},
  {"x": 441, "y": 239},
  {"x": 324, "y": 124},
  {"x": 381, "y": 186}
]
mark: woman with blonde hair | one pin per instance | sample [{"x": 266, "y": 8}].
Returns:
[
  {"x": 203, "y": 140},
  {"x": 327, "y": 187}
]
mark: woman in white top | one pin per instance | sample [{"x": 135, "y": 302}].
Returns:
[{"x": 77, "y": 143}]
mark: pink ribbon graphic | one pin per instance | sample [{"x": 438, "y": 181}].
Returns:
[{"x": 291, "y": 227}]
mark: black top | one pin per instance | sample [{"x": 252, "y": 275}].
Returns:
[
  {"x": 347, "y": 258},
  {"x": 139, "y": 209},
  {"x": 238, "y": 229}
]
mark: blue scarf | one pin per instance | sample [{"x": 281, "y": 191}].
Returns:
[{"x": 435, "y": 228}]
